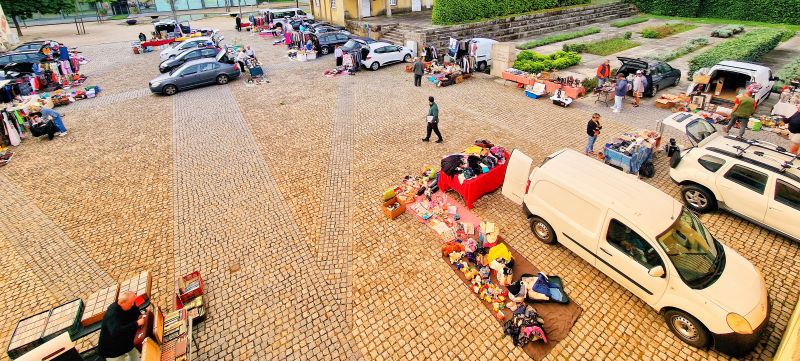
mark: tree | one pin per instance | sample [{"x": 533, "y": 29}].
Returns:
[{"x": 26, "y": 8}]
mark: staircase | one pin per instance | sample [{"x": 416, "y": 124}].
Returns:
[{"x": 397, "y": 34}]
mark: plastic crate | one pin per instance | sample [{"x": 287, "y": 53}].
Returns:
[
  {"x": 532, "y": 95},
  {"x": 64, "y": 318},
  {"x": 27, "y": 335},
  {"x": 190, "y": 286}
]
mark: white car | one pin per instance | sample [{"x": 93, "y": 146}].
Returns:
[
  {"x": 647, "y": 242},
  {"x": 190, "y": 43},
  {"x": 381, "y": 54},
  {"x": 755, "y": 180}
]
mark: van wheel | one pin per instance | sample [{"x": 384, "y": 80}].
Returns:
[
  {"x": 481, "y": 66},
  {"x": 648, "y": 170},
  {"x": 687, "y": 328},
  {"x": 698, "y": 198},
  {"x": 542, "y": 230}
]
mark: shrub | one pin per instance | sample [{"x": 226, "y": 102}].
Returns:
[
  {"x": 748, "y": 47},
  {"x": 771, "y": 11},
  {"x": 448, "y": 12},
  {"x": 727, "y": 31},
  {"x": 787, "y": 34},
  {"x": 626, "y": 22},
  {"x": 658, "y": 32},
  {"x": 589, "y": 83},
  {"x": 628, "y": 35},
  {"x": 536, "y": 63},
  {"x": 602, "y": 47},
  {"x": 576, "y": 48},
  {"x": 686, "y": 48},
  {"x": 788, "y": 73},
  {"x": 559, "y": 37}
]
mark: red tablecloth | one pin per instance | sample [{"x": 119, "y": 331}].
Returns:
[
  {"x": 521, "y": 79},
  {"x": 474, "y": 188},
  {"x": 157, "y": 42},
  {"x": 572, "y": 92}
]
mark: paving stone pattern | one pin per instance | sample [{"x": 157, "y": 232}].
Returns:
[
  {"x": 232, "y": 224},
  {"x": 273, "y": 192}
]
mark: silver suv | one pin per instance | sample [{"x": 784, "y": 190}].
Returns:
[{"x": 755, "y": 180}]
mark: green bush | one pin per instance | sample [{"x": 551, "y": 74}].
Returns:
[
  {"x": 448, "y": 12},
  {"x": 727, "y": 31},
  {"x": 686, "y": 48},
  {"x": 556, "y": 38},
  {"x": 788, "y": 73},
  {"x": 748, "y": 47},
  {"x": 770, "y": 11},
  {"x": 627, "y": 35},
  {"x": 787, "y": 34},
  {"x": 536, "y": 63},
  {"x": 589, "y": 83},
  {"x": 626, "y": 22},
  {"x": 576, "y": 48}
]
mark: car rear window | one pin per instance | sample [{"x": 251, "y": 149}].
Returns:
[{"x": 748, "y": 178}]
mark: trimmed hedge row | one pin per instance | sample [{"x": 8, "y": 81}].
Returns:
[
  {"x": 686, "y": 48},
  {"x": 627, "y": 22},
  {"x": 448, "y": 12},
  {"x": 788, "y": 73},
  {"x": 536, "y": 63},
  {"x": 748, "y": 47},
  {"x": 556, "y": 38},
  {"x": 770, "y": 11}
]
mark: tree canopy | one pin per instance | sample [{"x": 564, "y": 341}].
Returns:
[{"x": 26, "y": 8}]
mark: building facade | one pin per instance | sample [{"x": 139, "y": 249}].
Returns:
[
  {"x": 164, "y": 5},
  {"x": 337, "y": 11}
]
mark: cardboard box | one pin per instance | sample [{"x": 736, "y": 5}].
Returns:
[
  {"x": 718, "y": 87},
  {"x": 702, "y": 79},
  {"x": 665, "y": 104},
  {"x": 392, "y": 214}
]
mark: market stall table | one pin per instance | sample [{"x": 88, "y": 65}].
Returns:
[
  {"x": 157, "y": 43},
  {"x": 570, "y": 91},
  {"x": 474, "y": 188},
  {"x": 519, "y": 79}
]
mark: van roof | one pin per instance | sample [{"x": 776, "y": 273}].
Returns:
[
  {"x": 650, "y": 209},
  {"x": 746, "y": 65}
]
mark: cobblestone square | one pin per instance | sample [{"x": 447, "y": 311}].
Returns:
[{"x": 273, "y": 193}]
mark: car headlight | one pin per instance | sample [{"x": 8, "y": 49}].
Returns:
[
  {"x": 738, "y": 324},
  {"x": 155, "y": 83}
]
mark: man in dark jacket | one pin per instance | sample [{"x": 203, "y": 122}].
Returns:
[
  {"x": 418, "y": 71},
  {"x": 433, "y": 122},
  {"x": 118, "y": 330},
  {"x": 238, "y": 23}
]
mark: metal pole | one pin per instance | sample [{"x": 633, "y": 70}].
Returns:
[{"x": 174, "y": 14}]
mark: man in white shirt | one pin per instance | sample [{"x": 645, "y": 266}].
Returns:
[
  {"x": 241, "y": 58},
  {"x": 339, "y": 54}
]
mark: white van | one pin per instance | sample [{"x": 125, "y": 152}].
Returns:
[
  {"x": 728, "y": 78},
  {"x": 281, "y": 13},
  {"x": 483, "y": 53},
  {"x": 647, "y": 242}
]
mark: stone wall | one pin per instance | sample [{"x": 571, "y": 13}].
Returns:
[{"x": 525, "y": 26}]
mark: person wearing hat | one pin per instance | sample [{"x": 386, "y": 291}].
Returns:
[
  {"x": 743, "y": 109},
  {"x": 638, "y": 87},
  {"x": 52, "y": 114}
]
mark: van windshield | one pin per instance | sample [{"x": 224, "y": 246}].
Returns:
[{"x": 696, "y": 255}]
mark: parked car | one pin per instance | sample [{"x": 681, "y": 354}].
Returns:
[
  {"x": 177, "y": 48},
  {"x": 329, "y": 29},
  {"x": 186, "y": 56},
  {"x": 327, "y": 42},
  {"x": 730, "y": 76},
  {"x": 279, "y": 16},
  {"x": 483, "y": 53},
  {"x": 21, "y": 62},
  {"x": 644, "y": 240},
  {"x": 755, "y": 180},
  {"x": 380, "y": 54},
  {"x": 194, "y": 74},
  {"x": 33, "y": 45},
  {"x": 659, "y": 74},
  {"x": 789, "y": 349}
]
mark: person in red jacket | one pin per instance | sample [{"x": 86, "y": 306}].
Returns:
[{"x": 603, "y": 72}]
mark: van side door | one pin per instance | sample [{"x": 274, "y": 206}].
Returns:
[
  {"x": 627, "y": 256},
  {"x": 743, "y": 189}
]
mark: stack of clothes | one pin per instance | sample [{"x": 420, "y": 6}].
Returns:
[{"x": 474, "y": 161}]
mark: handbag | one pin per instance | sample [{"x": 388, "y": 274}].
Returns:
[{"x": 429, "y": 118}]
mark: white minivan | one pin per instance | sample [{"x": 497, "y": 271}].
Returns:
[{"x": 647, "y": 242}]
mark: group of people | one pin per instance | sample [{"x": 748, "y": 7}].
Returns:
[{"x": 622, "y": 86}]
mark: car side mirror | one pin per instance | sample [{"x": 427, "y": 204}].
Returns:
[{"x": 656, "y": 272}]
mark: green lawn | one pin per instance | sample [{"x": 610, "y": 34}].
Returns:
[
  {"x": 558, "y": 37},
  {"x": 663, "y": 31},
  {"x": 119, "y": 17},
  {"x": 610, "y": 46},
  {"x": 715, "y": 21},
  {"x": 627, "y": 22}
]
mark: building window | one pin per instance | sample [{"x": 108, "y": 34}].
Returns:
[
  {"x": 392, "y": 2},
  {"x": 333, "y": 4}
]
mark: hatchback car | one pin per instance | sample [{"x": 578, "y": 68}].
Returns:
[
  {"x": 189, "y": 44},
  {"x": 33, "y": 45},
  {"x": 381, "y": 54},
  {"x": 327, "y": 42},
  {"x": 186, "y": 56},
  {"x": 194, "y": 74},
  {"x": 659, "y": 74},
  {"x": 21, "y": 62}
]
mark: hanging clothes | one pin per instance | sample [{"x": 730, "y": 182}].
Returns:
[{"x": 11, "y": 130}]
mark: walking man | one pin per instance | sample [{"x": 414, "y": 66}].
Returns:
[
  {"x": 619, "y": 92},
  {"x": 743, "y": 108},
  {"x": 418, "y": 71},
  {"x": 592, "y": 130},
  {"x": 433, "y": 122}
]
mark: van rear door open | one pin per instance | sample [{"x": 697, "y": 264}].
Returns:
[{"x": 517, "y": 173}]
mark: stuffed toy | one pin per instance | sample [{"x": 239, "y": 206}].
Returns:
[
  {"x": 451, "y": 247},
  {"x": 504, "y": 276},
  {"x": 455, "y": 257},
  {"x": 469, "y": 272},
  {"x": 484, "y": 272},
  {"x": 498, "y": 251}
]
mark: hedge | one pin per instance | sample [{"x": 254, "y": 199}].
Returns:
[
  {"x": 558, "y": 37},
  {"x": 748, "y": 47},
  {"x": 788, "y": 73},
  {"x": 448, "y": 12},
  {"x": 686, "y": 48},
  {"x": 770, "y": 11},
  {"x": 663, "y": 31},
  {"x": 727, "y": 31},
  {"x": 627, "y": 22},
  {"x": 536, "y": 63}
]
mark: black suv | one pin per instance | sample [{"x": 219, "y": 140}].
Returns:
[
  {"x": 21, "y": 62},
  {"x": 326, "y": 42},
  {"x": 659, "y": 74}
]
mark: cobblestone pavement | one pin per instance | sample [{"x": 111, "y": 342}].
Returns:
[{"x": 273, "y": 191}]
